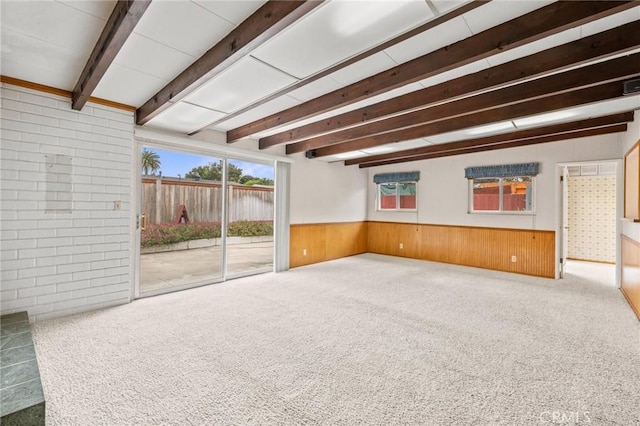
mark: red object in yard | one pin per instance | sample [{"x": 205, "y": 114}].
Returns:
[{"x": 181, "y": 215}]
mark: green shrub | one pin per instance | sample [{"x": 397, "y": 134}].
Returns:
[
  {"x": 168, "y": 233},
  {"x": 250, "y": 228}
]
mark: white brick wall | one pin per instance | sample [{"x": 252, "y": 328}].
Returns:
[{"x": 56, "y": 264}]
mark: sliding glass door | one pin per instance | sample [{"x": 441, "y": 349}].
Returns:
[
  {"x": 202, "y": 219},
  {"x": 180, "y": 220},
  {"x": 250, "y": 216}
]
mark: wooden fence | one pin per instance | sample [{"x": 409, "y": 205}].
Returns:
[{"x": 161, "y": 198}]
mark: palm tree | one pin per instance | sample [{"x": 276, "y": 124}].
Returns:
[{"x": 150, "y": 162}]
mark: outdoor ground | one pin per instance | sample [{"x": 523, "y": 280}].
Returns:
[{"x": 176, "y": 268}]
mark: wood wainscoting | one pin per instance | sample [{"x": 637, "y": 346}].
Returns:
[
  {"x": 489, "y": 248},
  {"x": 631, "y": 273},
  {"x": 317, "y": 242}
]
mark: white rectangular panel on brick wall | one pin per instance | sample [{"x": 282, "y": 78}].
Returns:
[{"x": 72, "y": 255}]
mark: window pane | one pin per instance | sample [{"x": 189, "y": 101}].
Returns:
[
  {"x": 407, "y": 193},
  {"x": 516, "y": 194},
  {"x": 179, "y": 209},
  {"x": 486, "y": 194},
  {"x": 388, "y": 196}
]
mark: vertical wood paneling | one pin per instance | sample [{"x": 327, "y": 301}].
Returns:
[
  {"x": 326, "y": 241},
  {"x": 311, "y": 238},
  {"x": 489, "y": 248},
  {"x": 345, "y": 239},
  {"x": 631, "y": 273}
]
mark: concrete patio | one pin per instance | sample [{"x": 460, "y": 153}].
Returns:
[{"x": 180, "y": 268}]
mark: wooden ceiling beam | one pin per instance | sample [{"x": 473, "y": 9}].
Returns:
[
  {"x": 555, "y": 129},
  {"x": 119, "y": 26},
  {"x": 615, "y": 69},
  {"x": 268, "y": 21},
  {"x": 439, "y": 20},
  {"x": 614, "y": 41},
  {"x": 616, "y": 128},
  {"x": 533, "y": 26},
  {"x": 603, "y": 92}
]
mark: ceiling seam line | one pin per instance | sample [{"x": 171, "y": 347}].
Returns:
[
  {"x": 70, "y": 5},
  {"x": 432, "y": 7},
  {"x": 166, "y": 45},
  {"x": 274, "y": 67},
  {"x": 201, "y": 106},
  {"x": 233, "y": 24}
]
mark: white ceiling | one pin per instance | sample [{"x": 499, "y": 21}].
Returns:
[{"x": 49, "y": 42}]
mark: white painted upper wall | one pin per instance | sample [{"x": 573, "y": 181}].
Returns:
[
  {"x": 327, "y": 192},
  {"x": 443, "y": 190}
]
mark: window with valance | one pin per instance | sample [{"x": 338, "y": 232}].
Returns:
[
  {"x": 505, "y": 188},
  {"x": 397, "y": 191}
]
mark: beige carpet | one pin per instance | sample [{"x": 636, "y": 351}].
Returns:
[{"x": 363, "y": 340}]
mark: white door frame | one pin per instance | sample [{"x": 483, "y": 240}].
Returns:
[
  {"x": 134, "y": 259},
  {"x": 619, "y": 210},
  {"x": 564, "y": 227}
]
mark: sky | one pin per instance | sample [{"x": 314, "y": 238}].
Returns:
[{"x": 174, "y": 163}]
